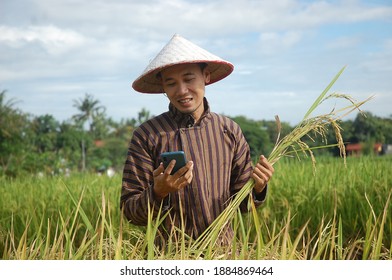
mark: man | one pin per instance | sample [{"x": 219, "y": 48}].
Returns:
[{"x": 219, "y": 157}]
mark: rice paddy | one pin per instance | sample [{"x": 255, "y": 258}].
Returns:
[{"x": 339, "y": 212}]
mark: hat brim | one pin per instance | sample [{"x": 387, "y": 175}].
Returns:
[{"x": 150, "y": 82}]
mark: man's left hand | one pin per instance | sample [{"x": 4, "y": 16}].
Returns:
[{"x": 262, "y": 173}]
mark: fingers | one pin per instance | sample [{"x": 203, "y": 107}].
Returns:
[
  {"x": 184, "y": 170},
  {"x": 159, "y": 170},
  {"x": 187, "y": 173},
  {"x": 262, "y": 173},
  {"x": 170, "y": 167},
  {"x": 166, "y": 183},
  {"x": 264, "y": 165},
  {"x": 184, "y": 176}
]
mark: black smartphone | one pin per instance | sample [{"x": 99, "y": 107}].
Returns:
[{"x": 179, "y": 156}]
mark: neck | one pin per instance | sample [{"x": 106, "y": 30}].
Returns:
[
  {"x": 197, "y": 115},
  {"x": 199, "y": 111}
]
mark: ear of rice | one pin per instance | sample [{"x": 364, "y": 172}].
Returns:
[{"x": 287, "y": 146}]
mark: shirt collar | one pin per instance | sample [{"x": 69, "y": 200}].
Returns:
[{"x": 187, "y": 120}]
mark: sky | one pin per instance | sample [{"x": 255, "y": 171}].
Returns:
[{"x": 53, "y": 52}]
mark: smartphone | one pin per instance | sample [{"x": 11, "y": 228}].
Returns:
[{"x": 179, "y": 156}]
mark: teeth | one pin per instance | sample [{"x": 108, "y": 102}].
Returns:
[{"x": 185, "y": 100}]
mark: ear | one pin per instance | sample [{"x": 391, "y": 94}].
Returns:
[{"x": 207, "y": 76}]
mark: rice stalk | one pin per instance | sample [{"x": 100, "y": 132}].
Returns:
[
  {"x": 102, "y": 227},
  {"x": 340, "y": 239},
  {"x": 291, "y": 144},
  {"x": 321, "y": 97},
  {"x": 83, "y": 248},
  {"x": 286, "y": 236},
  {"x": 152, "y": 228},
  {"x": 244, "y": 236},
  {"x": 259, "y": 236},
  {"x": 47, "y": 243},
  {"x": 333, "y": 231},
  {"x": 379, "y": 242},
  {"x": 79, "y": 209},
  {"x": 118, "y": 247},
  {"x": 297, "y": 241},
  {"x": 322, "y": 242}
]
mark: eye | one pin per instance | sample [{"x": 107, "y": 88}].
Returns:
[{"x": 170, "y": 84}]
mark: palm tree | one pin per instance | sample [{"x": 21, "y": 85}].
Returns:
[
  {"x": 89, "y": 109},
  {"x": 14, "y": 135},
  {"x": 144, "y": 115},
  {"x": 91, "y": 112}
]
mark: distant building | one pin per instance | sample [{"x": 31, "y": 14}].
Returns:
[
  {"x": 99, "y": 143},
  {"x": 355, "y": 149},
  {"x": 387, "y": 149}
]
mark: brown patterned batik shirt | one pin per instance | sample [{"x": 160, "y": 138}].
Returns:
[{"x": 222, "y": 165}]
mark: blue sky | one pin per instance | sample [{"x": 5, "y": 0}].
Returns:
[{"x": 285, "y": 53}]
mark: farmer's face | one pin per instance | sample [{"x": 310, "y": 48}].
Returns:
[{"x": 184, "y": 85}]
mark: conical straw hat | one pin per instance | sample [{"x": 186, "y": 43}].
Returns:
[{"x": 179, "y": 51}]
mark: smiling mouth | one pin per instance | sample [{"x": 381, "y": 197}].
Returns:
[{"x": 185, "y": 100}]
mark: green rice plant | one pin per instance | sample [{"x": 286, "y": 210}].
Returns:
[
  {"x": 259, "y": 240},
  {"x": 375, "y": 233},
  {"x": 291, "y": 144},
  {"x": 328, "y": 215},
  {"x": 152, "y": 229},
  {"x": 321, "y": 216}
]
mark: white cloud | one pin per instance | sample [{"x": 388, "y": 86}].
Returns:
[
  {"x": 56, "y": 41},
  {"x": 155, "y": 19},
  {"x": 271, "y": 43},
  {"x": 344, "y": 43}
]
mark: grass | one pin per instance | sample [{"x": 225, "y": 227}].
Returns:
[{"x": 335, "y": 214}]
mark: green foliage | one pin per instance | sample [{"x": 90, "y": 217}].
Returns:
[
  {"x": 14, "y": 136},
  {"x": 45, "y": 130},
  {"x": 369, "y": 127},
  {"x": 69, "y": 141},
  {"x": 255, "y": 134},
  {"x": 90, "y": 111},
  {"x": 31, "y": 145},
  {"x": 41, "y": 144}
]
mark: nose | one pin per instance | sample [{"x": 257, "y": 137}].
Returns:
[{"x": 183, "y": 88}]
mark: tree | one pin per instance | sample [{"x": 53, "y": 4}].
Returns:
[
  {"x": 272, "y": 129},
  {"x": 256, "y": 135},
  {"x": 143, "y": 115},
  {"x": 46, "y": 129},
  {"x": 94, "y": 114},
  {"x": 72, "y": 142},
  {"x": 90, "y": 111},
  {"x": 14, "y": 136},
  {"x": 367, "y": 127}
]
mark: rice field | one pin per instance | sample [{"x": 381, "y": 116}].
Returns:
[{"x": 337, "y": 213}]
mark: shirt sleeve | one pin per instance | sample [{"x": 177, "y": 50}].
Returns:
[
  {"x": 242, "y": 170},
  {"x": 137, "y": 193},
  {"x": 260, "y": 197}
]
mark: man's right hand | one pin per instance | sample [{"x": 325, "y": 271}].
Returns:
[{"x": 164, "y": 183}]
